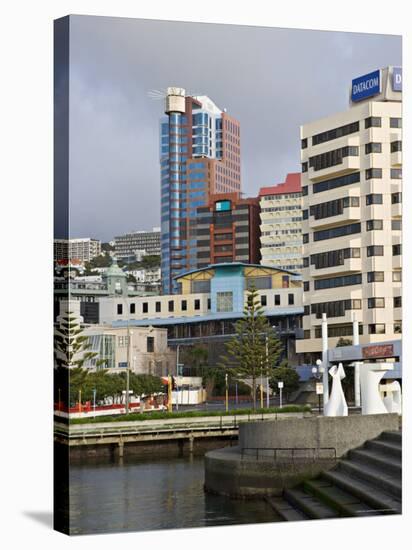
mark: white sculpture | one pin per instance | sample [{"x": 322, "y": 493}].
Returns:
[
  {"x": 393, "y": 399},
  {"x": 370, "y": 376},
  {"x": 336, "y": 405}
]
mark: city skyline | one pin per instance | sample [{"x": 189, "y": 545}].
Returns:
[{"x": 114, "y": 140}]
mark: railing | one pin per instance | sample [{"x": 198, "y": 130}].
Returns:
[{"x": 315, "y": 452}]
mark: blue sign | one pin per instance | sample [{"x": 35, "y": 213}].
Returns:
[
  {"x": 222, "y": 206},
  {"x": 397, "y": 79},
  {"x": 366, "y": 86}
]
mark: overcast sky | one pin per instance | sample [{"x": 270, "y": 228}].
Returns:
[{"x": 271, "y": 80}]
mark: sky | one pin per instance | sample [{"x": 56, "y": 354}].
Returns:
[{"x": 272, "y": 80}]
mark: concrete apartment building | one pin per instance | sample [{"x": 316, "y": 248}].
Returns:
[
  {"x": 131, "y": 246},
  {"x": 199, "y": 156},
  {"x": 228, "y": 230},
  {"x": 76, "y": 249},
  {"x": 281, "y": 224},
  {"x": 352, "y": 215}
]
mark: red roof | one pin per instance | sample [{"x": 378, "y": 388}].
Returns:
[{"x": 291, "y": 185}]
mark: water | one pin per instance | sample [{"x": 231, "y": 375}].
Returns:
[{"x": 147, "y": 494}]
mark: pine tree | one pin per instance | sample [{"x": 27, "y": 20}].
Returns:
[
  {"x": 255, "y": 349},
  {"x": 70, "y": 345}
]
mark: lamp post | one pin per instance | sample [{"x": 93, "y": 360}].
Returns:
[
  {"x": 226, "y": 393},
  {"x": 280, "y": 386},
  {"x": 129, "y": 349},
  {"x": 319, "y": 371}
]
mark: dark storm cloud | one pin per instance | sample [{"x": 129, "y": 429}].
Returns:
[{"x": 271, "y": 80}]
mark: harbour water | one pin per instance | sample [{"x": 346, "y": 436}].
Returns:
[{"x": 137, "y": 494}]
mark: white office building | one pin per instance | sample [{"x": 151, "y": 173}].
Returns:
[{"x": 352, "y": 215}]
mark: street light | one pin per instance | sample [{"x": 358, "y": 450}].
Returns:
[{"x": 280, "y": 386}]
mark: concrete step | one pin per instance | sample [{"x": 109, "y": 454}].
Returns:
[
  {"x": 394, "y": 437},
  {"x": 384, "y": 447},
  {"x": 285, "y": 510},
  {"x": 346, "y": 504},
  {"x": 312, "y": 507},
  {"x": 388, "y": 464},
  {"x": 364, "y": 491},
  {"x": 376, "y": 476}
]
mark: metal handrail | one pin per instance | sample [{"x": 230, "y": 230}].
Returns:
[{"x": 315, "y": 451}]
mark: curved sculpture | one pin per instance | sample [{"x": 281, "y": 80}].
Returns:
[
  {"x": 336, "y": 406},
  {"x": 393, "y": 399},
  {"x": 370, "y": 376}
]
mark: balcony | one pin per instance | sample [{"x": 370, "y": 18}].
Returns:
[
  {"x": 348, "y": 215},
  {"x": 350, "y": 265},
  {"x": 396, "y": 210},
  {"x": 348, "y": 165},
  {"x": 397, "y": 262}
]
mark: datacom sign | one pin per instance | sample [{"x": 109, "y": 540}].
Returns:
[
  {"x": 366, "y": 86},
  {"x": 223, "y": 206},
  {"x": 397, "y": 79}
]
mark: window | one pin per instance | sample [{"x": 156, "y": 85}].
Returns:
[
  {"x": 335, "y": 309},
  {"x": 306, "y": 310},
  {"x": 291, "y": 299},
  {"x": 150, "y": 344},
  {"x": 306, "y": 286},
  {"x": 277, "y": 299},
  {"x": 123, "y": 341},
  {"x": 373, "y": 122},
  {"x": 373, "y": 173},
  {"x": 224, "y": 301},
  {"x": 333, "y": 158},
  {"x": 396, "y": 225},
  {"x": 306, "y": 334},
  {"x": 145, "y": 307},
  {"x": 396, "y": 198},
  {"x": 377, "y": 329},
  {"x": 397, "y": 301},
  {"x": 119, "y": 309},
  {"x": 396, "y": 146},
  {"x": 332, "y": 208},
  {"x": 305, "y": 214},
  {"x": 397, "y": 327},
  {"x": 376, "y": 276},
  {"x": 305, "y": 238},
  {"x": 374, "y": 198},
  {"x": 304, "y": 143},
  {"x": 334, "y": 183},
  {"x": 158, "y": 307},
  {"x": 184, "y": 305},
  {"x": 263, "y": 300},
  {"x": 374, "y": 225},
  {"x": 396, "y": 276},
  {"x": 335, "y": 133},
  {"x": 132, "y": 308},
  {"x": 333, "y": 257},
  {"x": 395, "y": 122},
  {"x": 334, "y": 331},
  {"x": 373, "y": 147},
  {"x": 171, "y": 306},
  {"x": 209, "y": 303},
  {"x": 374, "y": 250},
  {"x": 197, "y": 304},
  {"x": 201, "y": 287},
  {"x": 306, "y": 262},
  {"x": 334, "y": 282},
  {"x": 376, "y": 303},
  {"x": 304, "y": 166},
  {"x": 335, "y": 232},
  {"x": 396, "y": 173},
  {"x": 396, "y": 250},
  {"x": 260, "y": 283},
  {"x": 304, "y": 190}
]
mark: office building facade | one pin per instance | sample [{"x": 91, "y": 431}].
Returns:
[
  {"x": 76, "y": 249},
  {"x": 352, "y": 215},
  {"x": 199, "y": 156},
  {"x": 228, "y": 230},
  {"x": 133, "y": 245},
  {"x": 281, "y": 224}
]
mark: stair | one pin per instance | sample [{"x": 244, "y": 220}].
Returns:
[{"x": 367, "y": 482}]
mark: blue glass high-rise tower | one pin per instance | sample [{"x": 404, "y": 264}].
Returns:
[{"x": 199, "y": 156}]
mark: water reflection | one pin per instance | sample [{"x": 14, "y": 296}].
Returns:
[{"x": 141, "y": 495}]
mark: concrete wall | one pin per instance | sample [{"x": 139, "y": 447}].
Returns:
[{"x": 341, "y": 432}]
